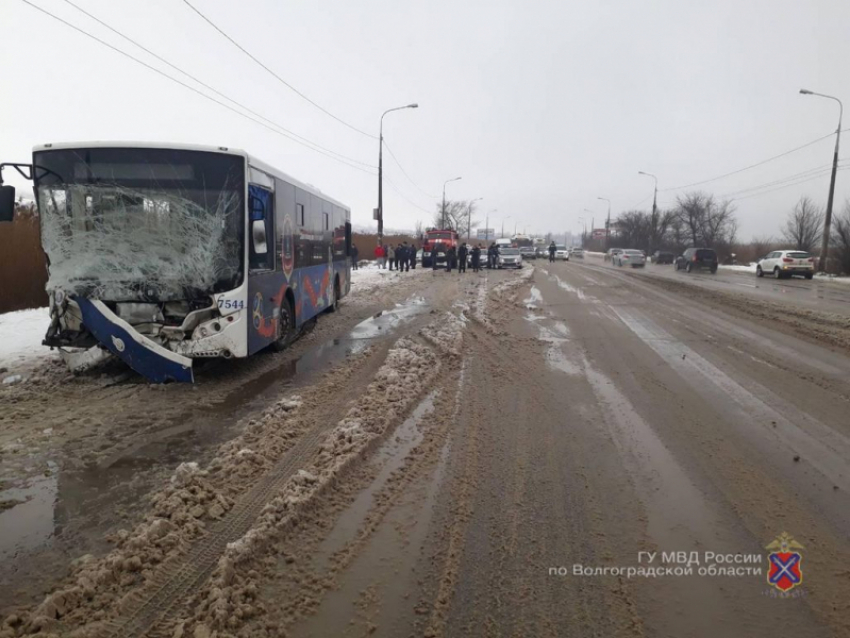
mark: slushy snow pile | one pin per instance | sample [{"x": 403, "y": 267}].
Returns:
[{"x": 369, "y": 277}]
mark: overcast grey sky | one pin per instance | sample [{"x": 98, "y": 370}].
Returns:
[{"x": 541, "y": 107}]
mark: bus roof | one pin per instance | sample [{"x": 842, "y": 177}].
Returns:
[{"x": 252, "y": 161}]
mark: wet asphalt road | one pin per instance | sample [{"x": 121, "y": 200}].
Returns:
[
  {"x": 605, "y": 418},
  {"x": 819, "y": 293}
]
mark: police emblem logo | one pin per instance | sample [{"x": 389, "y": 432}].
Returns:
[{"x": 785, "y": 563}]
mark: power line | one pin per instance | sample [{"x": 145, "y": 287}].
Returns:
[
  {"x": 405, "y": 198},
  {"x": 781, "y": 184},
  {"x": 782, "y": 180},
  {"x": 307, "y": 142},
  {"x": 395, "y": 159},
  {"x": 275, "y": 75},
  {"x": 746, "y": 168}
]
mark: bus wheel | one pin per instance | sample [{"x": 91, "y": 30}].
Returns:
[
  {"x": 285, "y": 326},
  {"x": 334, "y": 307}
]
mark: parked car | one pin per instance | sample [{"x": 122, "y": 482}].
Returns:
[
  {"x": 628, "y": 257},
  {"x": 510, "y": 258},
  {"x": 697, "y": 259},
  {"x": 609, "y": 255},
  {"x": 663, "y": 257},
  {"x": 787, "y": 263},
  {"x": 562, "y": 253},
  {"x": 528, "y": 252},
  {"x": 577, "y": 252},
  {"x": 542, "y": 253}
]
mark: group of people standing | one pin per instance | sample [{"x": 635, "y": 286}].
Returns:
[
  {"x": 458, "y": 257},
  {"x": 401, "y": 257}
]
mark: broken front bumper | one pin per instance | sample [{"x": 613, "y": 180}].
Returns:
[{"x": 146, "y": 357}]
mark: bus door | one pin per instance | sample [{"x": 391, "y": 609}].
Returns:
[{"x": 264, "y": 283}]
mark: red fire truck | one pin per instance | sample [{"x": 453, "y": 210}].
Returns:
[{"x": 443, "y": 239}]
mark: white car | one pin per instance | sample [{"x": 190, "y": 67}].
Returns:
[
  {"x": 786, "y": 263},
  {"x": 633, "y": 258},
  {"x": 510, "y": 258},
  {"x": 577, "y": 252},
  {"x": 562, "y": 253}
]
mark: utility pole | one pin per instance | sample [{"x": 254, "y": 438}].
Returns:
[
  {"x": 827, "y": 220},
  {"x": 608, "y": 222}
]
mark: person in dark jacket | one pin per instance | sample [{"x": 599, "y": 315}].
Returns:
[
  {"x": 476, "y": 258},
  {"x": 434, "y": 256},
  {"x": 462, "y": 254},
  {"x": 451, "y": 255},
  {"x": 413, "y": 256},
  {"x": 404, "y": 264},
  {"x": 552, "y": 249},
  {"x": 355, "y": 256}
]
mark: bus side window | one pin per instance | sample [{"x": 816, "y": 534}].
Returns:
[{"x": 260, "y": 229}]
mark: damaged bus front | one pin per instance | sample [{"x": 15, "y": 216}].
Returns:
[{"x": 142, "y": 245}]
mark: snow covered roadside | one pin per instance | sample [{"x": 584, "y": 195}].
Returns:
[
  {"x": 369, "y": 277},
  {"x": 21, "y": 333},
  {"x": 750, "y": 269}
]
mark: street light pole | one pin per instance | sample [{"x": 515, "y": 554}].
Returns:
[
  {"x": 503, "y": 225},
  {"x": 381, "y": 170},
  {"x": 592, "y": 224},
  {"x": 827, "y": 221},
  {"x": 469, "y": 217},
  {"x": 654, "y": 200},
  {"x": 608, "y": 221},
  {"x": 443, "y": 216}
]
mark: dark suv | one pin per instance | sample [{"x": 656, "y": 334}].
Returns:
[
  {"x": 697, "y": 258},
  {"x": 663, "y": 257}
]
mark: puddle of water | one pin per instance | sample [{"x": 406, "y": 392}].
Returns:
[
  {"x": 31, "y": 523},
  {"x": 389, "y": 457}
]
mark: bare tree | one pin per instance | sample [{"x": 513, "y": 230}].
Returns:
[
  {"x": 419, "y": 229},
  {"x": 705, "y": 221},
  {"x": 803, "y": 225},
  {"x": 455, "y": 215},
  {"x": 762, "y": 245}
]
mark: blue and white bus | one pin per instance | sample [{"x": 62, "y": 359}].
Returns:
[{"x": 161, "y": 254}]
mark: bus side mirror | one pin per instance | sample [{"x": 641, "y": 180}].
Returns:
[
  {"x": 7, "y": 203},
  {"x": 258, "y": 235}
]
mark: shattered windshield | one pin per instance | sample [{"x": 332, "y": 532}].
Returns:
[{"x": 141, "y": 224}]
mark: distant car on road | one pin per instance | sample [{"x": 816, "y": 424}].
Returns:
[
  {"x": 541, "y": 253},
  {"x": 697, "y": 259},
  {"x": 561, "y": 253},
  {"x": 663, "y": 257},
  {"x": 510, "y": 258},
  {"x": 786, "y": 263},
  {"x": 628, "y": 257},
  {"x": 577, "y": 252},
  {"x": 528, "y": 252},
  {"x": 609, "y": 256}
]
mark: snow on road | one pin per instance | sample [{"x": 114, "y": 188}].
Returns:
[
  {"x": 751, "y": 268},
  {"x": 21, "y": 333}
]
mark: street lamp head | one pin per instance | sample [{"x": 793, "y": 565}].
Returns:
[
  {"x": 805, "y": 92},
  {"x": 413, "y": 106}
]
